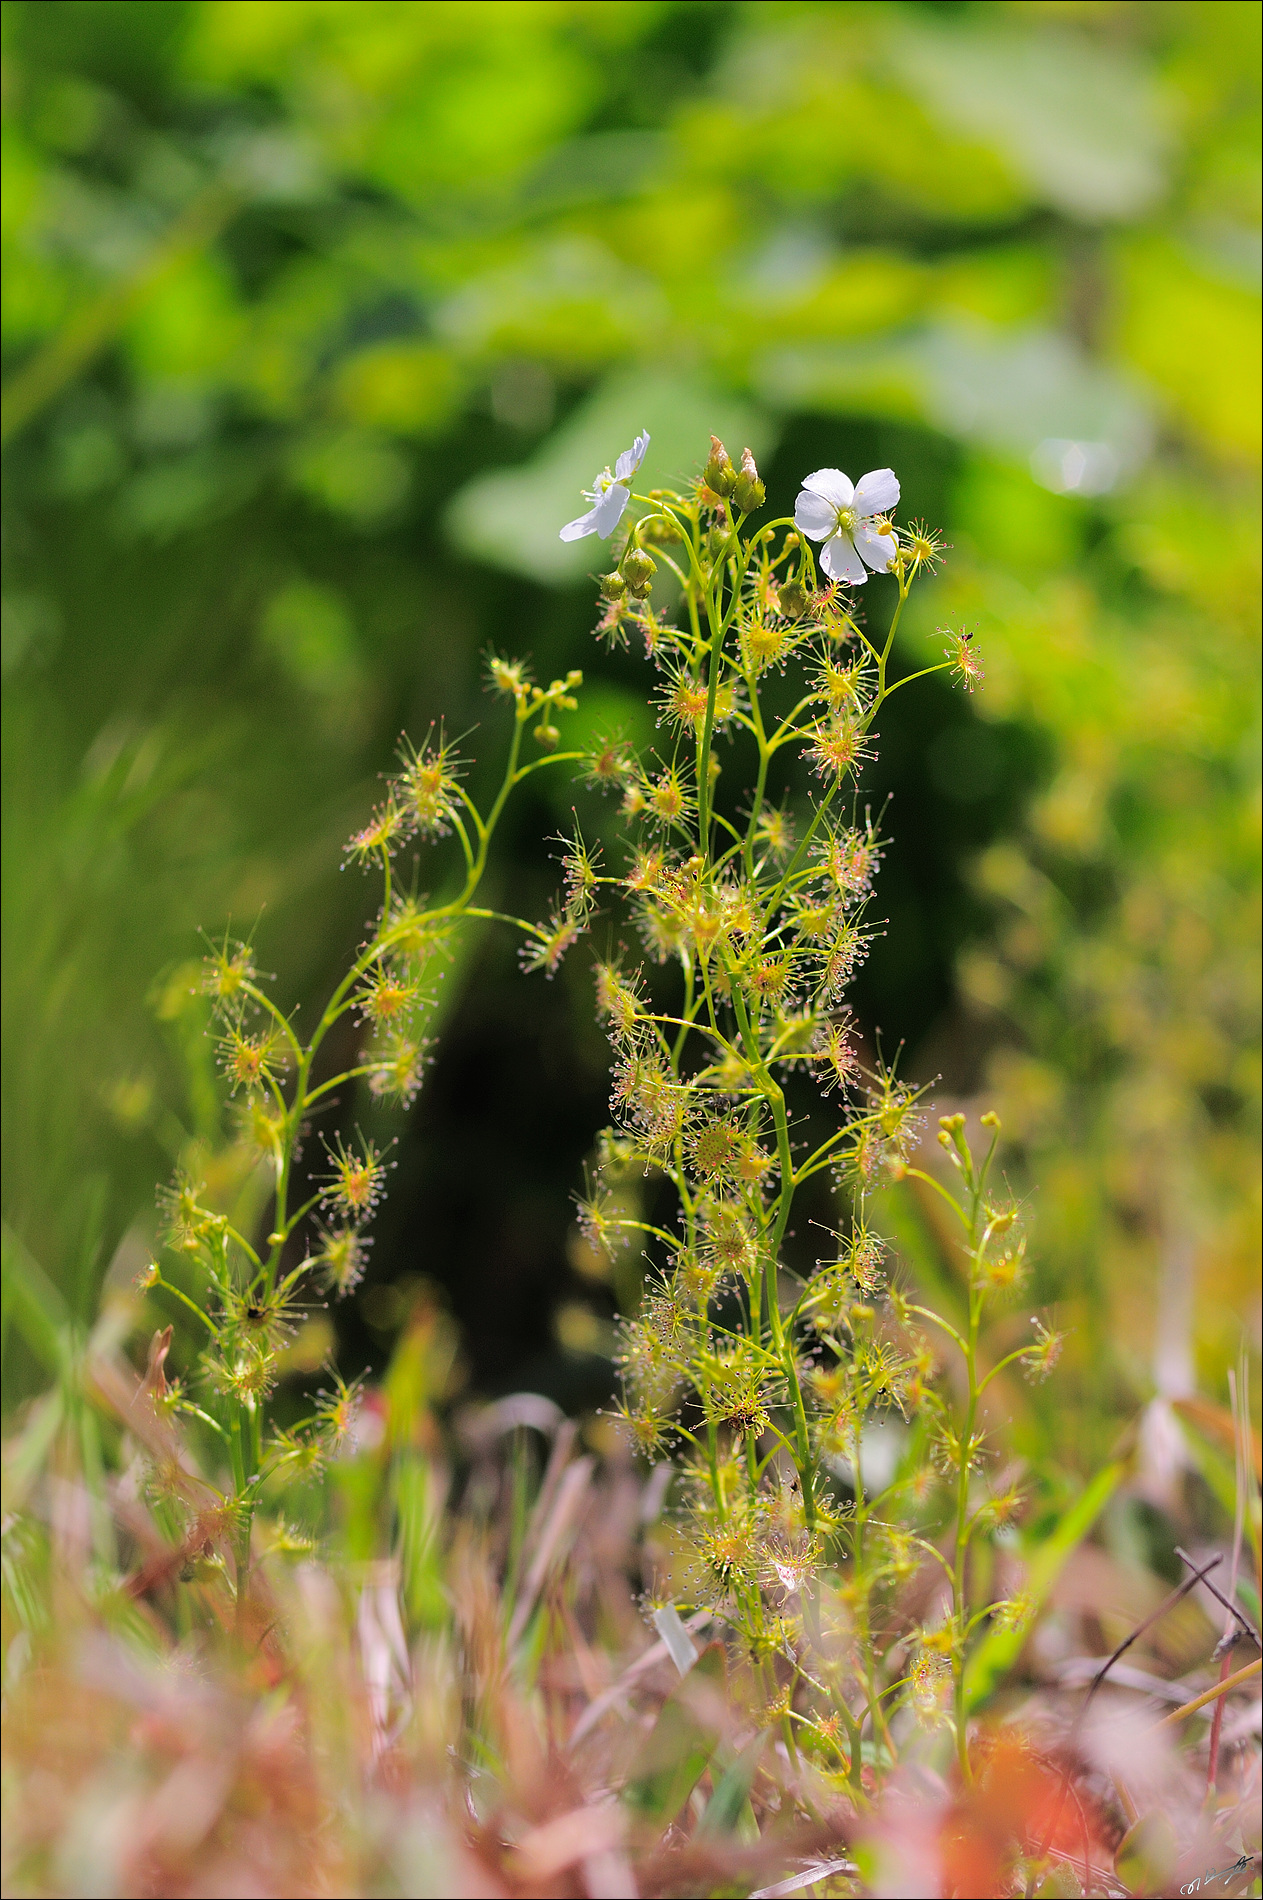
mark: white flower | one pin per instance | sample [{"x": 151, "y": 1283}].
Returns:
[
  {"x": 830, "y": 510},
  {"x": 608, "y": 494}
]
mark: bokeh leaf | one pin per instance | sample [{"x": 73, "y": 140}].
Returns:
[
  {"x": 511, "y": 518},
  {"x": 1081, "y": 123}
]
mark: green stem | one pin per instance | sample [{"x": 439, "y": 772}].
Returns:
[
  {"x": 760, "y": 788},
  {"x": 282, "y": 1021},
  {"x": 963, "y": 1533},
  {"x": 236, "y": 1454},
  {"x": 905, "y": 588},
  {"x": 801, "y": 851},
  {"x": 338, "y": 1002},
  {"x": 242, "y": 1565},
  {"x": 708, "y": 729},
  {"x": 685, "y": 1022},
  {"x": 918, "y": 1174},
  {"x": 783, "y": 1344},
  {"x": 1011, "y": 1359},
  {"x": 908, "y": 678},
  {"x": 192, "y": 1305},
  {"x": 314, "y": 1095},
  {"x": 242, "y": 1242},
  {"x": 855, "y": 1767},
  {"x": 195, "y": 1411}
]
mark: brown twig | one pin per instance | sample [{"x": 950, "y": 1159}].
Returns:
[
  {"x": 1216, "y": 1728},
  {"x": 1243, "y": 1620},
  {"x": 1233, "y": 1681},
  {"x": 1168, "y": 1603}
]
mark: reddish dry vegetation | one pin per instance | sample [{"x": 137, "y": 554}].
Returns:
[{"x": 152, "y": 1748}]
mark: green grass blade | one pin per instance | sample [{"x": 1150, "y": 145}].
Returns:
[
  {"x": 1000, "y": 1648},
  {"x": 37, "y": 1308},
  {"x": 677, "y": 1750},
  {"x": 728, "y": 1810}
]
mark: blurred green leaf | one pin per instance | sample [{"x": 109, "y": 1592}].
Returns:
[
  {"x": 512, "y": 518},
  {"x": 1082, "y": 123},
  {"x": 309, "y": 630},
  {"x": 1029, "y": 394},
  {"x": 1146, "y": 1857},
  {"x": 402, "y": 388}
]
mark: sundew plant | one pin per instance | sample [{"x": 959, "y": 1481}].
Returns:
[
  {"x": 351, "y": 1646},
  {"x": 250, "y": 1297},
  {"x": 765, "y": 1381}
]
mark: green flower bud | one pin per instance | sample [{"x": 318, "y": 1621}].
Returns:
[
  {"x": 638, "y": 569},
  {"x": 792, "y": 597},
  {"x": 719, "y": 473},
  {"x": 547, "y": 738},
  {"x": 748, "y": 492},
  {"x": 612, "y": 586}
]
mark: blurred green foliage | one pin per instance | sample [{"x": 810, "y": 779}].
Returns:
[{"x": 315, "y": 316}]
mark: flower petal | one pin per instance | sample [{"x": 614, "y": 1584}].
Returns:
[
  {"x": 877, "y": 492},
  {"x": 832, "y": 484},
  {"x": 629, "y": 461},
  {"x": 581, "y": 525},
  {"x": 815, "y": 516},
  {"x": 879, "y": 550},
  {"x": 841, "y": 563},
  {"x": 609, "y": 508}
]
